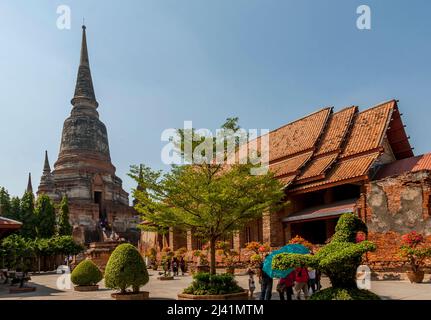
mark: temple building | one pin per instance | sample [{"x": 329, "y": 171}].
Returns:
[
  {"x": 84, "y": 172},
  {"x": 332, "y": 163}
]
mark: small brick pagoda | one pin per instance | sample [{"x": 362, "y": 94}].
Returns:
[{"x": 84, "y": 172}]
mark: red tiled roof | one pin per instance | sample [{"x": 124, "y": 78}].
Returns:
[
  {"x": 323, "y": 212},
  {"x": 336, "y": 131},
  {"x": 318, "y": 166},
  {"x": 327, "y": 148},
  {"x": 345, "y": 170},
  {"x": 291, "y": 165},
  {"x": 412, "y": 164},
  {"x": 6, "y": 223},
  {"x": 298, "y": 136},
  {"x": 369, "y": 129},
  {"x": 286, "y": 181}
]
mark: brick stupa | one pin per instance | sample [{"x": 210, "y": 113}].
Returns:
[{"x": 84, "y": 172}]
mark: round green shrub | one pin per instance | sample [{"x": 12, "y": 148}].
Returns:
[
  {"x": 344, "y": 294},
  {"x": 126, "y": 268},
  {"x": 86, "y": 273}
]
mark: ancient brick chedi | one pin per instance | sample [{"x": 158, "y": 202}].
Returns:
[{"x": 83, "y": 170}]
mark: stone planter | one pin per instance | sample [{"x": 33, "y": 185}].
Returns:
[
  {"x": 141, "y": 295},
  {"x": 21, "y": 290},
  {"x": 231, "y": 296},
  {"x": 415, "y": 277},
  {"x": 86, "y": 288}
]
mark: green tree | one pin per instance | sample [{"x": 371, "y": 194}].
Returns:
[
  {"x": 27, "y": 216},
  {"x": 45, "y": 217},
  {"x": 4, "y": 203},
  {"x": 64, "y": 227},
  {"x": 208, "y": 199},
  {"x": 15, "y": 209}
]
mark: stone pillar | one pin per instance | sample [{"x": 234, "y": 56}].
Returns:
[
  {"x": 189, "y": 241},
  {"x": 426, "y": 202}
]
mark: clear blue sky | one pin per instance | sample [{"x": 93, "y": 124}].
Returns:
[{"x": 158, "y": 63}]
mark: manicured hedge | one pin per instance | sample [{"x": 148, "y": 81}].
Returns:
[
  {"x": 86, "y": 273},
  {"x": 126, "y": 268}
]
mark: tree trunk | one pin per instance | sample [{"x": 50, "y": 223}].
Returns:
[{"x": 213, "y": 256}]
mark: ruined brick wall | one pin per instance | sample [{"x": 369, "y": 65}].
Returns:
[{"x": 396, "y": 205}]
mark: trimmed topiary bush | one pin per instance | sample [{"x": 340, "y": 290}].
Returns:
[
  {"x": 86, "y": 273},
  {"x": 126, "y": 268},
  {"x": 339, "y": 260},
  {"x": 208, "y": 284}
]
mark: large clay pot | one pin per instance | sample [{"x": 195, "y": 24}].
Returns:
[
  {"x": 415, "y": 277},
  {"x": 142, "y": 295}
]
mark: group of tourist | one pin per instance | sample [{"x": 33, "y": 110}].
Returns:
[
  {"x": 175, "y": 265},
  {"x": 301, "y": 279}
]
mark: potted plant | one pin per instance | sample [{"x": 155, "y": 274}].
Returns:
[
  {"x": 414, "y": 251},
  {"x": 85, "y": 276},
  {"x": 203, "y": 263},
  {"x": 258, "y": 251},
  {"x": 229, "y": 257},
  {"x": 126, "y": 268},
  {"x": 300, "y": 240}
]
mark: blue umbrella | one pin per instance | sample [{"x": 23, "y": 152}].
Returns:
[{"x": 290, "y": 248}]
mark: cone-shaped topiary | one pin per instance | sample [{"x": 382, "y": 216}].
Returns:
[
  {"x": 126, "y": 268},
  {"x": 86, "y": 273}
]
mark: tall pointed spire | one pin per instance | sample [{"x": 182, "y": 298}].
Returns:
[
  {"x": 84, "y": 91},
  {"x": 46, "y": 167},
  {"x": 47, "y": 184},
  {"x": 29, "y": 185}
]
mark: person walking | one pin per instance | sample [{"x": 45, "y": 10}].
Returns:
[
  {"x": 301, "y": 282},
  {"x": 251, "y": 283},
  {"x": 182, "y": 265},
  {"x": 175, "y": 266},
  {"x": 266, "y": 283},
  {"x": 285, "y": 286},
  {"x": 312, "y": 280},
  {"x": 318, "y": 283}
]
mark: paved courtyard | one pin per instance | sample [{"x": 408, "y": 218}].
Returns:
[{"x": 47, "y": 289}]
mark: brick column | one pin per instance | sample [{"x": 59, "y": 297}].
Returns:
[
  {"x": 272, "y": 230},
  {"x": 189, "y": 241}
]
